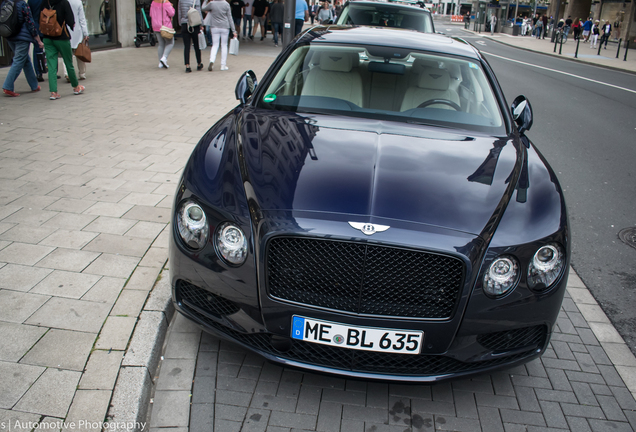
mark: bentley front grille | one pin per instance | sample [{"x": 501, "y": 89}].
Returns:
[{"x": 363, "y": 279}]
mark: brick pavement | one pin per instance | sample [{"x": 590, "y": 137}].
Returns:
[
  {"x": 86, "y": 187},
  {"x": 206, "y": 384}
]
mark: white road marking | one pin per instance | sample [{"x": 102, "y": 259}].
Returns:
[
  {"x": 561, "y": 72},
  {"x": 481, "y": 43}
]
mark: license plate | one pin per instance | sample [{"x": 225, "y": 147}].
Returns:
[{"x": 356, "y": 337}]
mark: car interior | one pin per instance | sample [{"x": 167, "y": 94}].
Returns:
[{"x": 377, "y": 81}]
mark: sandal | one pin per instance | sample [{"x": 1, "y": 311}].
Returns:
[
  {"x": 10, "y": 93},
  {"x": 79, "y": 89},
  {"x": 55, "y": 96}
]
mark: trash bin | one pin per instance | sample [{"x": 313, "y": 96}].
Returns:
[{"x": 516, "y": 29}]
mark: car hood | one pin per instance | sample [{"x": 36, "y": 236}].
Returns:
[{"x": 374, "y": 169}]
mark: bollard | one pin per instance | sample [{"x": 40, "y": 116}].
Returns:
[
  {"x": 626, "y": 49},
  {"x": 599, "y": 49},
  {"x": 618, "y": 51},
  {"x": 576, "y": 53},
  {"x": 561, "y": 44},
  {"x": 556, "y": 41}
]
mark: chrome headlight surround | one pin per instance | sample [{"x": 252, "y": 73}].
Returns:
[
  {"x": 192, "y": 225},
  {"x": 230, "y": 243},
  {"x": 545, "y": 267},
  {"x": 501, "y": 277}
]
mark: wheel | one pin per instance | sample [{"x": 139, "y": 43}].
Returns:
[
  {"x": 450, "y": 103},
  {"x": 153, "y": 39},
  {"x": 137, "y": 42}
]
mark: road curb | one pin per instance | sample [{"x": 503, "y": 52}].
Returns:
[{"x": 129, "y": 405}]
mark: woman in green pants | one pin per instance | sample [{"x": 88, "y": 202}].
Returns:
[{"x": 54, "y": 45}]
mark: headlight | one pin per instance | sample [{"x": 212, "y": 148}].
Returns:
[
  {"x": 501, "y": 277},
  {"x": 192, "y": 225},
  {"x": 545, "y": 267},
  {"x": 231, "y": 243}
]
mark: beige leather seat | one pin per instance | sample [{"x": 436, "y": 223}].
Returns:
[
  {"x": 433, "y": 83},
  {"x": 335, "y": 76}
]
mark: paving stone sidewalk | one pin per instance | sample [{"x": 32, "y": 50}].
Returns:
[
  {"x": 86, "y": 187},
  {"x": 206, "y": 384}
]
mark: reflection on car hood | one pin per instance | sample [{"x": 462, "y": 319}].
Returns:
[{"x": 374, "y": 169}]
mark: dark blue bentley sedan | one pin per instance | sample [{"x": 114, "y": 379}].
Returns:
[{"x": 372, "y": 208}]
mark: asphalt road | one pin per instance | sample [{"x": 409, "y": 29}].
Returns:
[{"x": 587, "y": 131}]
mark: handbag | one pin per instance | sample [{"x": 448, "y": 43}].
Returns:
[
  {"x": 194, "y": 17},
  {"x": 234, "y": 46},
  {"x": 167, "y": 32},
  {"x": 202, "y": 42},
  {"x": 83, "y": 52}
]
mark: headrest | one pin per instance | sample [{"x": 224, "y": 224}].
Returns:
[
  {"x": 336, "y": 62},
  {"x": 434, "y": 79}
]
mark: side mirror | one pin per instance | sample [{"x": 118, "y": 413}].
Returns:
[
  {"x": 522, "y": 113},
  {"x": 246, "y": 86}
]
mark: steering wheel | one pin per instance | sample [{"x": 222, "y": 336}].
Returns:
[{"x": 450, "y": 103}]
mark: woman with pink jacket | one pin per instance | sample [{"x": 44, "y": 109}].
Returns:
[{"x": 161, "y": 13}]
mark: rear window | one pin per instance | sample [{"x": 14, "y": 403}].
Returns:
[
  {"x": 386, "y": 16},
  {"x": 371, "y": 82}
]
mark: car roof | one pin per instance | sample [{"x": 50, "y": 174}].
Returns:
[
  {"x": 389, "y": 37},
  {"x": 411, "y": 4}
]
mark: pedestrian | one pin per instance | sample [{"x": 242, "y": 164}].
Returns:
[
  {"x": 467, "y": 20},
  {"x": 493, "y": 23},
  {"x": 301, "y": 16},
  {"x": 607, "y": 31},
  {"x": 337, "y": 10},
  {"x": 594, "y": 36},
  {"x": 79, "y": 34},
  {"x": 325, "y": 14},
  {"x": 61, "y": 45},
  {"x": 238, "y": 8},
  {"x": 259, "y": 12},
  {"x": 277, "y": 16},
  {"x": 617, "y": 29},
  {"x": 221, "y": 21},
  {"x": 190, "y": 34},
  {"x": 247, "y": 18},
  {"x": 587, "y": 28},
  {"x": 39, "y": 60},
  {"x": 161, "y": 13},
  {"x": 545, "y": 25},
  {"x": 576, "y": 28},
  {"x": 568, "y": 25},
  {"x": 313, "y": 11},
  {"x": 19, "y": 43},
  {"x": 539, "y": 27}
]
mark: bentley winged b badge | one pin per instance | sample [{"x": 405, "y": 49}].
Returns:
[{"x": 368, "y": 228}]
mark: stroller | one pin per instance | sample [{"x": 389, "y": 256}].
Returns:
[{"x": 144, "y": 30}]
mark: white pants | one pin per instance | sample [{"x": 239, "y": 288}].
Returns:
[
  {"x": 593, "y": 39},
  {"x": 81, "y": 67},
  {"x": 219, "y": 37}
]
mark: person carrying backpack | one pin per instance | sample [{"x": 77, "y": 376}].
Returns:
[
  {"x": 56, "y": 42},
  {"x": 23, "y": 33}
]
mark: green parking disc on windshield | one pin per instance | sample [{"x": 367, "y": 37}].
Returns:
[{"x": 269, "y": 98}]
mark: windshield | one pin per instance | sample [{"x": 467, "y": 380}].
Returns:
[
  {"x": 371, "y": 82},
  {"x": 387, "y": 16}
]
